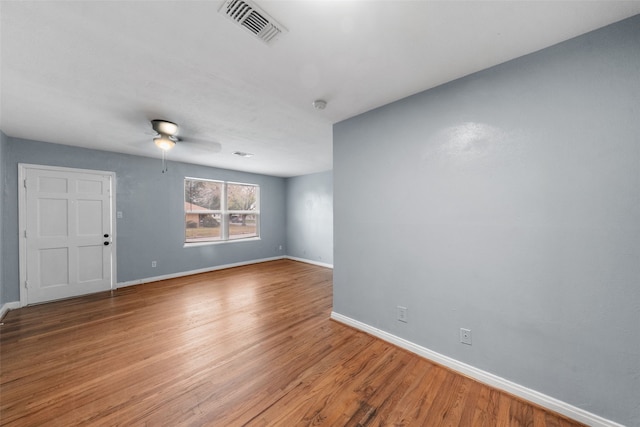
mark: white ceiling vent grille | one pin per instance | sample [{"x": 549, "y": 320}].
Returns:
[{"x": 251, "y": 17}]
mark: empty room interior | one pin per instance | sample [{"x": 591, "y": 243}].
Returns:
[{"x": 399, "y": 213}]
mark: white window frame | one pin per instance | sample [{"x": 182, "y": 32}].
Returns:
[
  {"x": 224, "y": 212},
  {"x": 228, "y": 212}
]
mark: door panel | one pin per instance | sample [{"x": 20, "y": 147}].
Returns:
[
  {"x": 90, "y": 220},
  {"x": 52, "y": 217},
  {"x": 53, "y": 267},
  {"x": 91, "y": 265},
  {"x": 68, "y": 213}
]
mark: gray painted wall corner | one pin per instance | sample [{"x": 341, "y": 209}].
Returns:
[
  {"x": 310, "y": 217},
  {"x": 3, "y": 142}
]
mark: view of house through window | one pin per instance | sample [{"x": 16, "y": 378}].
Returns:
[{"x": 219, "y": 211}]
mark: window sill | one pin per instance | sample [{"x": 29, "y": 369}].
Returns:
[{"x": 219, "y": 242}]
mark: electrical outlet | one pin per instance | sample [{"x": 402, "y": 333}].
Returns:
[
  {"x": 154, "y": 264},
  {"x": 402, "y": 314},
  {"x": 465, "y": 336}
]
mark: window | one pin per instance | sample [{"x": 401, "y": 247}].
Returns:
[{"x": 220, "y": 211}]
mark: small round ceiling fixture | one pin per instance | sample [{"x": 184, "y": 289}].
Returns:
[{"x": 320, "y": 104}]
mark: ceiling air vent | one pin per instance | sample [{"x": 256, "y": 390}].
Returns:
[{"x": 254, "y": 19}]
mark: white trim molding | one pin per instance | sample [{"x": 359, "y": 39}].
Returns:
[
  {"x": 8, "y": 306},
  {"x": 308, "y": 261},
  {"x": 23, "y": 168},
  {"x": 189, "y": 273},
  {"x": 484, "y": 377}
]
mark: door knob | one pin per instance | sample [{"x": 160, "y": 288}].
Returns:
[{"x": 106, "y": 243}]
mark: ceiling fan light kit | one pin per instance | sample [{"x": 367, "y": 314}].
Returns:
[
  {"x": 164, "y": 142},
  {"x": 166, "y": 138},
  {"x": 166, "y": 131}
]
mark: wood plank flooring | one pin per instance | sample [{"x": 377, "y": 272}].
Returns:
[{"x": 250, "y": 346}]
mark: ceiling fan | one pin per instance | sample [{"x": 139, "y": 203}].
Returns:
[
  {"x": 167, "y": 138},
  {"x": 167, "y": 134}
]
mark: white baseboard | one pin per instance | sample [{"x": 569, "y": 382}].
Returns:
[
  {"x": 308, "y": 261},
  {"x": 189, "y": 273},
  {"x": 13, "y": 305},
  {"x": 8, "y": 306},
  {"x": 492, "y": 380}
]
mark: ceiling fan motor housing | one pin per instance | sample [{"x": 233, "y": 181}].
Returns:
[{"x": 164, "y": 127}]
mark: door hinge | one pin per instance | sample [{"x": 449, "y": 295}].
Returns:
[
  {"x": 26, "y": 284},
  {"x": 24, "y": 182},
  {"x": 25, "y": 234}
]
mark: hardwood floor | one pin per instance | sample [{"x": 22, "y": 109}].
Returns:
[{"x": 250, "y": 346}]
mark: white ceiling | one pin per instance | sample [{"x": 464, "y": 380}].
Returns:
[{"x": 93, "y": 73}]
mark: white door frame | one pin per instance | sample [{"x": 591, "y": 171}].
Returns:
[{"x": 22, "y": 220}]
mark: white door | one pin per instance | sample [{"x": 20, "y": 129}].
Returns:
[{"x": 68, "y": 233}]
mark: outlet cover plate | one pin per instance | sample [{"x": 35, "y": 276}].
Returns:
[
  {"x": 465, "y": 336},
  {"x": 402, "y": 314}
]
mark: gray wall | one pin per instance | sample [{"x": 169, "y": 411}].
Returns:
[
  {"x": 3, "y": 142},
  {"x": 507, "y": 202},
  {"x": 153, "y": 210},
  {"x": 310, "y": 217}
]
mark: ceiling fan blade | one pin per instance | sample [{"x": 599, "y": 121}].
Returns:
[
  {"x": 186, "y": 145},
  {"x": 202, "y": 145}
]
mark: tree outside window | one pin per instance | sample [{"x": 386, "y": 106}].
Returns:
[
  {"x": 242, "y": 205},
  {"x": 220, "y": 211}
]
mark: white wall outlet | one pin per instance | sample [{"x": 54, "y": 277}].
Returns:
[
  {"x": 154, "y": 264},
  {"x": 465, "y": 336},
  {"x": 402, "y": 314}
]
